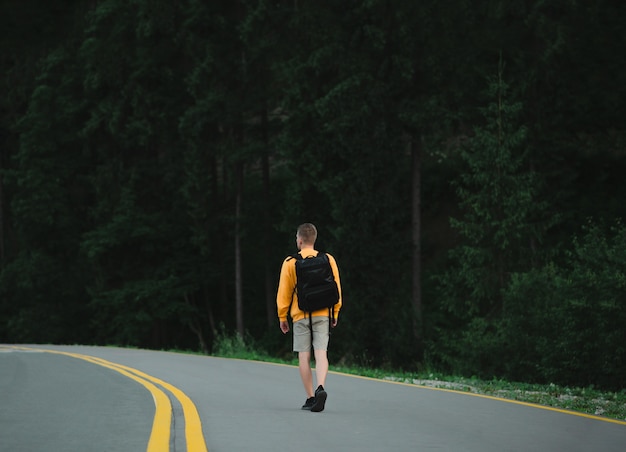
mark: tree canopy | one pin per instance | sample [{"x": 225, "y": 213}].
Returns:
[{"x": 463, "y": 162}]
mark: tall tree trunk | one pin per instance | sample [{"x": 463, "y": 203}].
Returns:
[
  {"x": 195, "y": 325},
  {"x": 1, "y": 218},
  {"x": 208, "y": 309},
  {"x": 238, "y": 278},
  {"x": 265, "y": 166},
  {"x": 415, "y": 144}
]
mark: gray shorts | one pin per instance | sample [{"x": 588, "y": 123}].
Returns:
[{"x": 302, "y": 334}]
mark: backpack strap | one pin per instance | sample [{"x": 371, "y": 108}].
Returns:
[{"x": 311, "y": 330}]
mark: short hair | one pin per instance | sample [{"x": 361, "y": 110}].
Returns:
[{"x": 308, "y": 233}]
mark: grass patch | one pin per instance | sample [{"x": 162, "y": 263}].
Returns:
[{"x": 582, "y": 400}]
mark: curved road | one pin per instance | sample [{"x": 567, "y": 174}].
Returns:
[{"x": 75, "y": 398}]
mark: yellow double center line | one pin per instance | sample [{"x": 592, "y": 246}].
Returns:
[{"x": 161, "y": 426}]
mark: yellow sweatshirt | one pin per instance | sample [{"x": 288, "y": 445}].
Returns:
[{"x": 287, "y": 285}]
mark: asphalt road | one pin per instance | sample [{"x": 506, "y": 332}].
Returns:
[{"x": 57, "y": 402}]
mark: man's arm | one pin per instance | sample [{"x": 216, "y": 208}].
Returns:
[{"x": 286, "y": 287}]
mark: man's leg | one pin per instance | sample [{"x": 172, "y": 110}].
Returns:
[
  {"x": 304, "y": 364},
  {"x": 321, "y": 333},
  {"x": 321, "y": 366},
  {"x": 321, "y": 370}
]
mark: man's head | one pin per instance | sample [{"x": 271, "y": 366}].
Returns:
[{"x": 306, "y": 235}]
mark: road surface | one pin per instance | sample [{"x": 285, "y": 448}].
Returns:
[{"x": 78, "y": 398}]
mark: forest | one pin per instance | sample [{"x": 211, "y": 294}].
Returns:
[{"x": 463, "y": 161}]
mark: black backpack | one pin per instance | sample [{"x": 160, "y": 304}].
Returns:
[{"x": 315, "y": 283}]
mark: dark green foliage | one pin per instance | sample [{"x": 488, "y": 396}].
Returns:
[
  {"x": 46, "y": 275},
  {"x": 571, "y": 328},
  {"x": 157, "y": 156},
  {"x": 502, "y": 211},
  {"x": 564, "y": 324}
]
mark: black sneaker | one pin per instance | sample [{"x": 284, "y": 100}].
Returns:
[
  {"x": 309, "y": 403},
  {"x": 320, "y": 399}
]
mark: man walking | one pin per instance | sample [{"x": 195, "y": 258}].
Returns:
[{"x": 309, "y": 329}]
